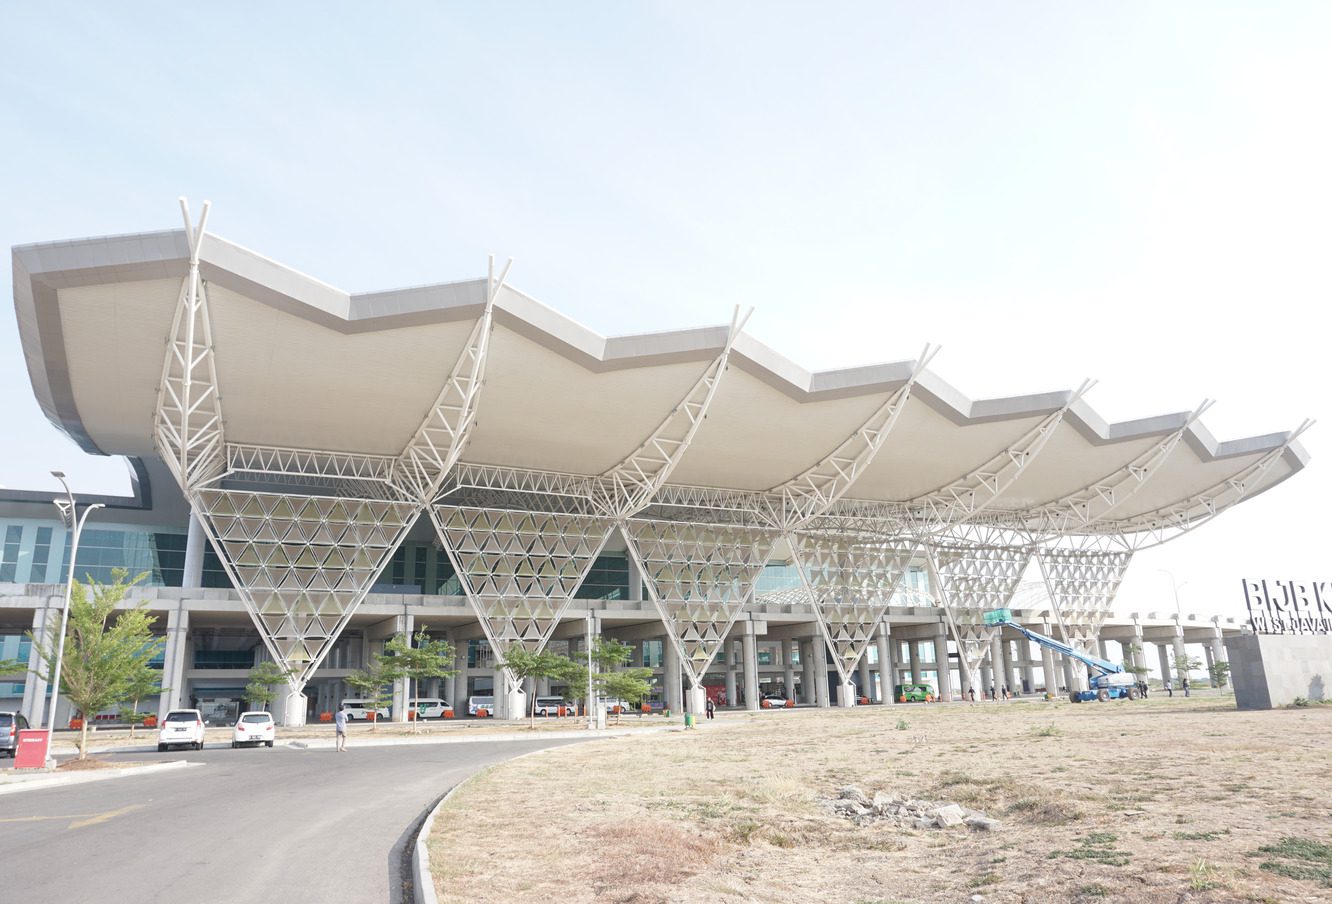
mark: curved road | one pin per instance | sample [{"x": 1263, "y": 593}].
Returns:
[{"x": 284, "y": 825}]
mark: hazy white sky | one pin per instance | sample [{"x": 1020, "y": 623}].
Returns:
[{"x": 1138, "y": 193}]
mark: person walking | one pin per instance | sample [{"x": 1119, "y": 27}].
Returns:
[
  {"x": 1184, "y": 683},
  {"x": 971, "y": 692},
  {"x": 340, "y": 730},
  {"x": 710, "y": 708}
]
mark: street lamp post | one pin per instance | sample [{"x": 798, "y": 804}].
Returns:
[
  {"x": 1179, "y": 617},
  {"x": 70, "y": 516}
]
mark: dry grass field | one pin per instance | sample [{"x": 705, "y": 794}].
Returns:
[{"x": 1183, "y": 800}]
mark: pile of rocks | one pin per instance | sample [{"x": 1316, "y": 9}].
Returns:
[{"x": 857, "y": 806}]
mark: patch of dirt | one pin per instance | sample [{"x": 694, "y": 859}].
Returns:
[
  {"x": 1153, "y": 802},
  {"x": 85, "y": 765}
]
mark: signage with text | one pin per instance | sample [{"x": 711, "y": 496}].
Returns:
[{"x": 1289, "y": 607}]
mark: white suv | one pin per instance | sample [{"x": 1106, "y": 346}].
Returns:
[{"x": 181, "y": 727}]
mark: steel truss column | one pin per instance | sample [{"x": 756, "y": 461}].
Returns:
[
  {"x": 699, "y": 577},
  {"x": 187, "y": 425},
  {"x": 969, "y": 581},
  {"x": 1082, "y": 584},
  {"x": 850, "y": 581},
  {"x": 968, "y": 496},
  {"x": 519, "y": 569},
  {"x": 630, "y": 486},
  {"x": 434, "y": 449},
  {"x": 811, "y": 493}
]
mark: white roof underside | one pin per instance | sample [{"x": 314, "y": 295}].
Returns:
[{"x": 304, "y": 365}]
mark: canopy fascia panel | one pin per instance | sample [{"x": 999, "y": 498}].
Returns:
[{"x": 941, "y": 435}]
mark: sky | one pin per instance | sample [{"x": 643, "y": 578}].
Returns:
[{"x": 1136, "y": 193}]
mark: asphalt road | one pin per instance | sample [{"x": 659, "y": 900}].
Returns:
[{"x": 281, "y": 825}]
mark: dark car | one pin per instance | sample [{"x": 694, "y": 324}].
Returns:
[{"x": 10, "y": 725}]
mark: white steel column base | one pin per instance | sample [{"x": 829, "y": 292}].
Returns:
[
  {"x": 846, "y": 694},
  {"x": 293, "y": 710},
  {"x": 696, "y": 698},
  {"x": 514, "y": 704}
]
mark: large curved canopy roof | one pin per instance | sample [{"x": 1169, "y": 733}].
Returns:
[{"x": 302, "y": 364}]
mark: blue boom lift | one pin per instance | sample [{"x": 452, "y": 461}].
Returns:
[{"x": 1109, "y": 681}]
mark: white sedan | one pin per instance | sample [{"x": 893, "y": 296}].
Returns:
[
  {"x": 775, "y": 701},
  {"x": 254, "y": 728}
]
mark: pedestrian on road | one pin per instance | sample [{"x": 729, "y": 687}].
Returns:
[
  {"x": 711, "y": 708},
  {"x": 971, "y": 692},
  {"x": 992, "y": 697},
  {"x": 340, "y": 730},
  {"x": 1005, "y": 691},
  {"x": 1170, "y": 691},
  {"x": 1184, "y": 683}
]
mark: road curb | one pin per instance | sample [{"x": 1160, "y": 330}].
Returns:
[
  {"x": 34, "y": 783},
  {"x": 423, "y": 881}
]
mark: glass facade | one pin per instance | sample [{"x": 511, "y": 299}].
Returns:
[{"x": 608, "y": 579}]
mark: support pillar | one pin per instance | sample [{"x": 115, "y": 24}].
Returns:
[
  {"x": 885, "y": 664},
  {"x": 1051, "y": 675},
  {"x": 459, "y": 698},
  {"x": 401, "y": 703},
  {"x": 1070, "y": 678},
  {"x": 176, "y": 654},
  {"x": 195, "y": 541},
  {"x": 819, "y": 649},
  {"x": 913, "y": 654},
  {"x": 732, "y": 686},
  {"x": 1165, "y": 663},
  {"x": 944, "y": 665},
  {"x": 673, "y": 676},
  {"x": 749, "y": 656},
  {"x": 808, "y": 693},
  {"x": 789, "y": 649},
  {"x": 1028, "y": 667},
  {"x": 863, "y": 672}
]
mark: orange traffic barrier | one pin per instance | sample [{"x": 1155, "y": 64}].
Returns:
[
  {"x": 448, "y": 714},
  {"x": 150, "y": 722},
  {"x": 75, "y": 723},
  {"x": 482, "y": 713},
  {"x": 325, "y": 717}
]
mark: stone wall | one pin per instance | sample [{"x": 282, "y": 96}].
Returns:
[{"x": 1271, "y": 670}]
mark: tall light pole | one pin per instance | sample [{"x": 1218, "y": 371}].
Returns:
[
  {"x": 1179, "y": 616},
  {"x": 70, "y": 516}
]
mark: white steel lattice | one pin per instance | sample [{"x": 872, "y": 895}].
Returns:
[
  {"x": 302, "y": 563},
  {"x": 1082, "y": 585},
  {"x": 629, "y": 486},
  {"x": 851, "y": 583},
  {"x": 971, "y": 494},
  {"x": 699, "y": 577},
  {"x": 519, "y": 569},
  {"x": 970, "y": 581},
  {"x": 439, "y": 440},
  {"x": 187, "y": 425}
]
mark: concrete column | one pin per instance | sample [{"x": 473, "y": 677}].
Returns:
[
  {"x": 996, "y": 666},
  {"x": 808, "y": 692},
  {"x": 672, "y": 674},
  {"x": 459, "y": 697},
  {"x": 913, "y": 655},
  {"x": 1180, "y": 652},
  {"x": 863, "y": 671},
  {"x": 749, "y": 655},
  {"x": 1050, "y": 673},
  {"x": 34, "y": 684},
  {"x": 945, "y": 667},
  {"x": 1207, "y": 660},
  {"x": 788, "y": 647},
  {"x": 819, "y": 654},
  {"x": 1216, "y": 651},
  {"x": 1070, "y": 676},
  {"x": 176, "y": 655},
  {"x": 401, "y": 703},
  {"x": 885, "y": 664},
  {"x": 732, "y": 686},
  {"x": 635, "y": 589},
  {"x": 1028, "y": 666},
  {"x": 194, "y": 554}
]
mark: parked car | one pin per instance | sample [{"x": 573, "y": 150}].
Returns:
[
  {"x": 775, "y": 701},
  {"x": 913, "y": 693},
  {"x": 181, "y": 728},
  {"x": 255, "y": 728},
  {"x": 361, "y": 709},
  {"x": 618, "y": 705},
  {"x": 11, "y": 723},
  {"x": 480, "y": 702},
  {"x": 431, "y": 707}
]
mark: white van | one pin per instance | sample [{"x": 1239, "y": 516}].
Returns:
[
  {"x": 431, "y": 707},
  {"x": 550, "y": 706},
  {"x": 486, "y": 703},
  {"x": 360, "y": 709}
]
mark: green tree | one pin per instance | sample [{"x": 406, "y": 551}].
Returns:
[
  {"x": 528, "y": 667},
  {"x": 418, "y": 662},
  {"x": 1184, "y": 665},
  {"x": 1135, "y": 652},
  {"x": 146, "y": 682},
  {"x": 106, "y": 646},
  {"x": 262, "y": 679},
  {"x": 373, "y": 683},
  {"x": 630, "y": 685},
  {"x": 1219, "y": 672}
]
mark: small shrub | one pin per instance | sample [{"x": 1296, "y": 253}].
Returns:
[
  {"x": 1094, "y": 890},
  {"x": 1202, "y": 876},
  {"x": 1312, "y": 860},
  {"x": 1048, "y": 731},
  {"x": 902, "y": 725}
]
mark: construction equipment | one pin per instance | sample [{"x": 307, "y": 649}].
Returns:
[{"x": 1108, "y": 680}]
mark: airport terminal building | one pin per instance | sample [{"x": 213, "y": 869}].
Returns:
[{"x": 316, "y": 471}]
